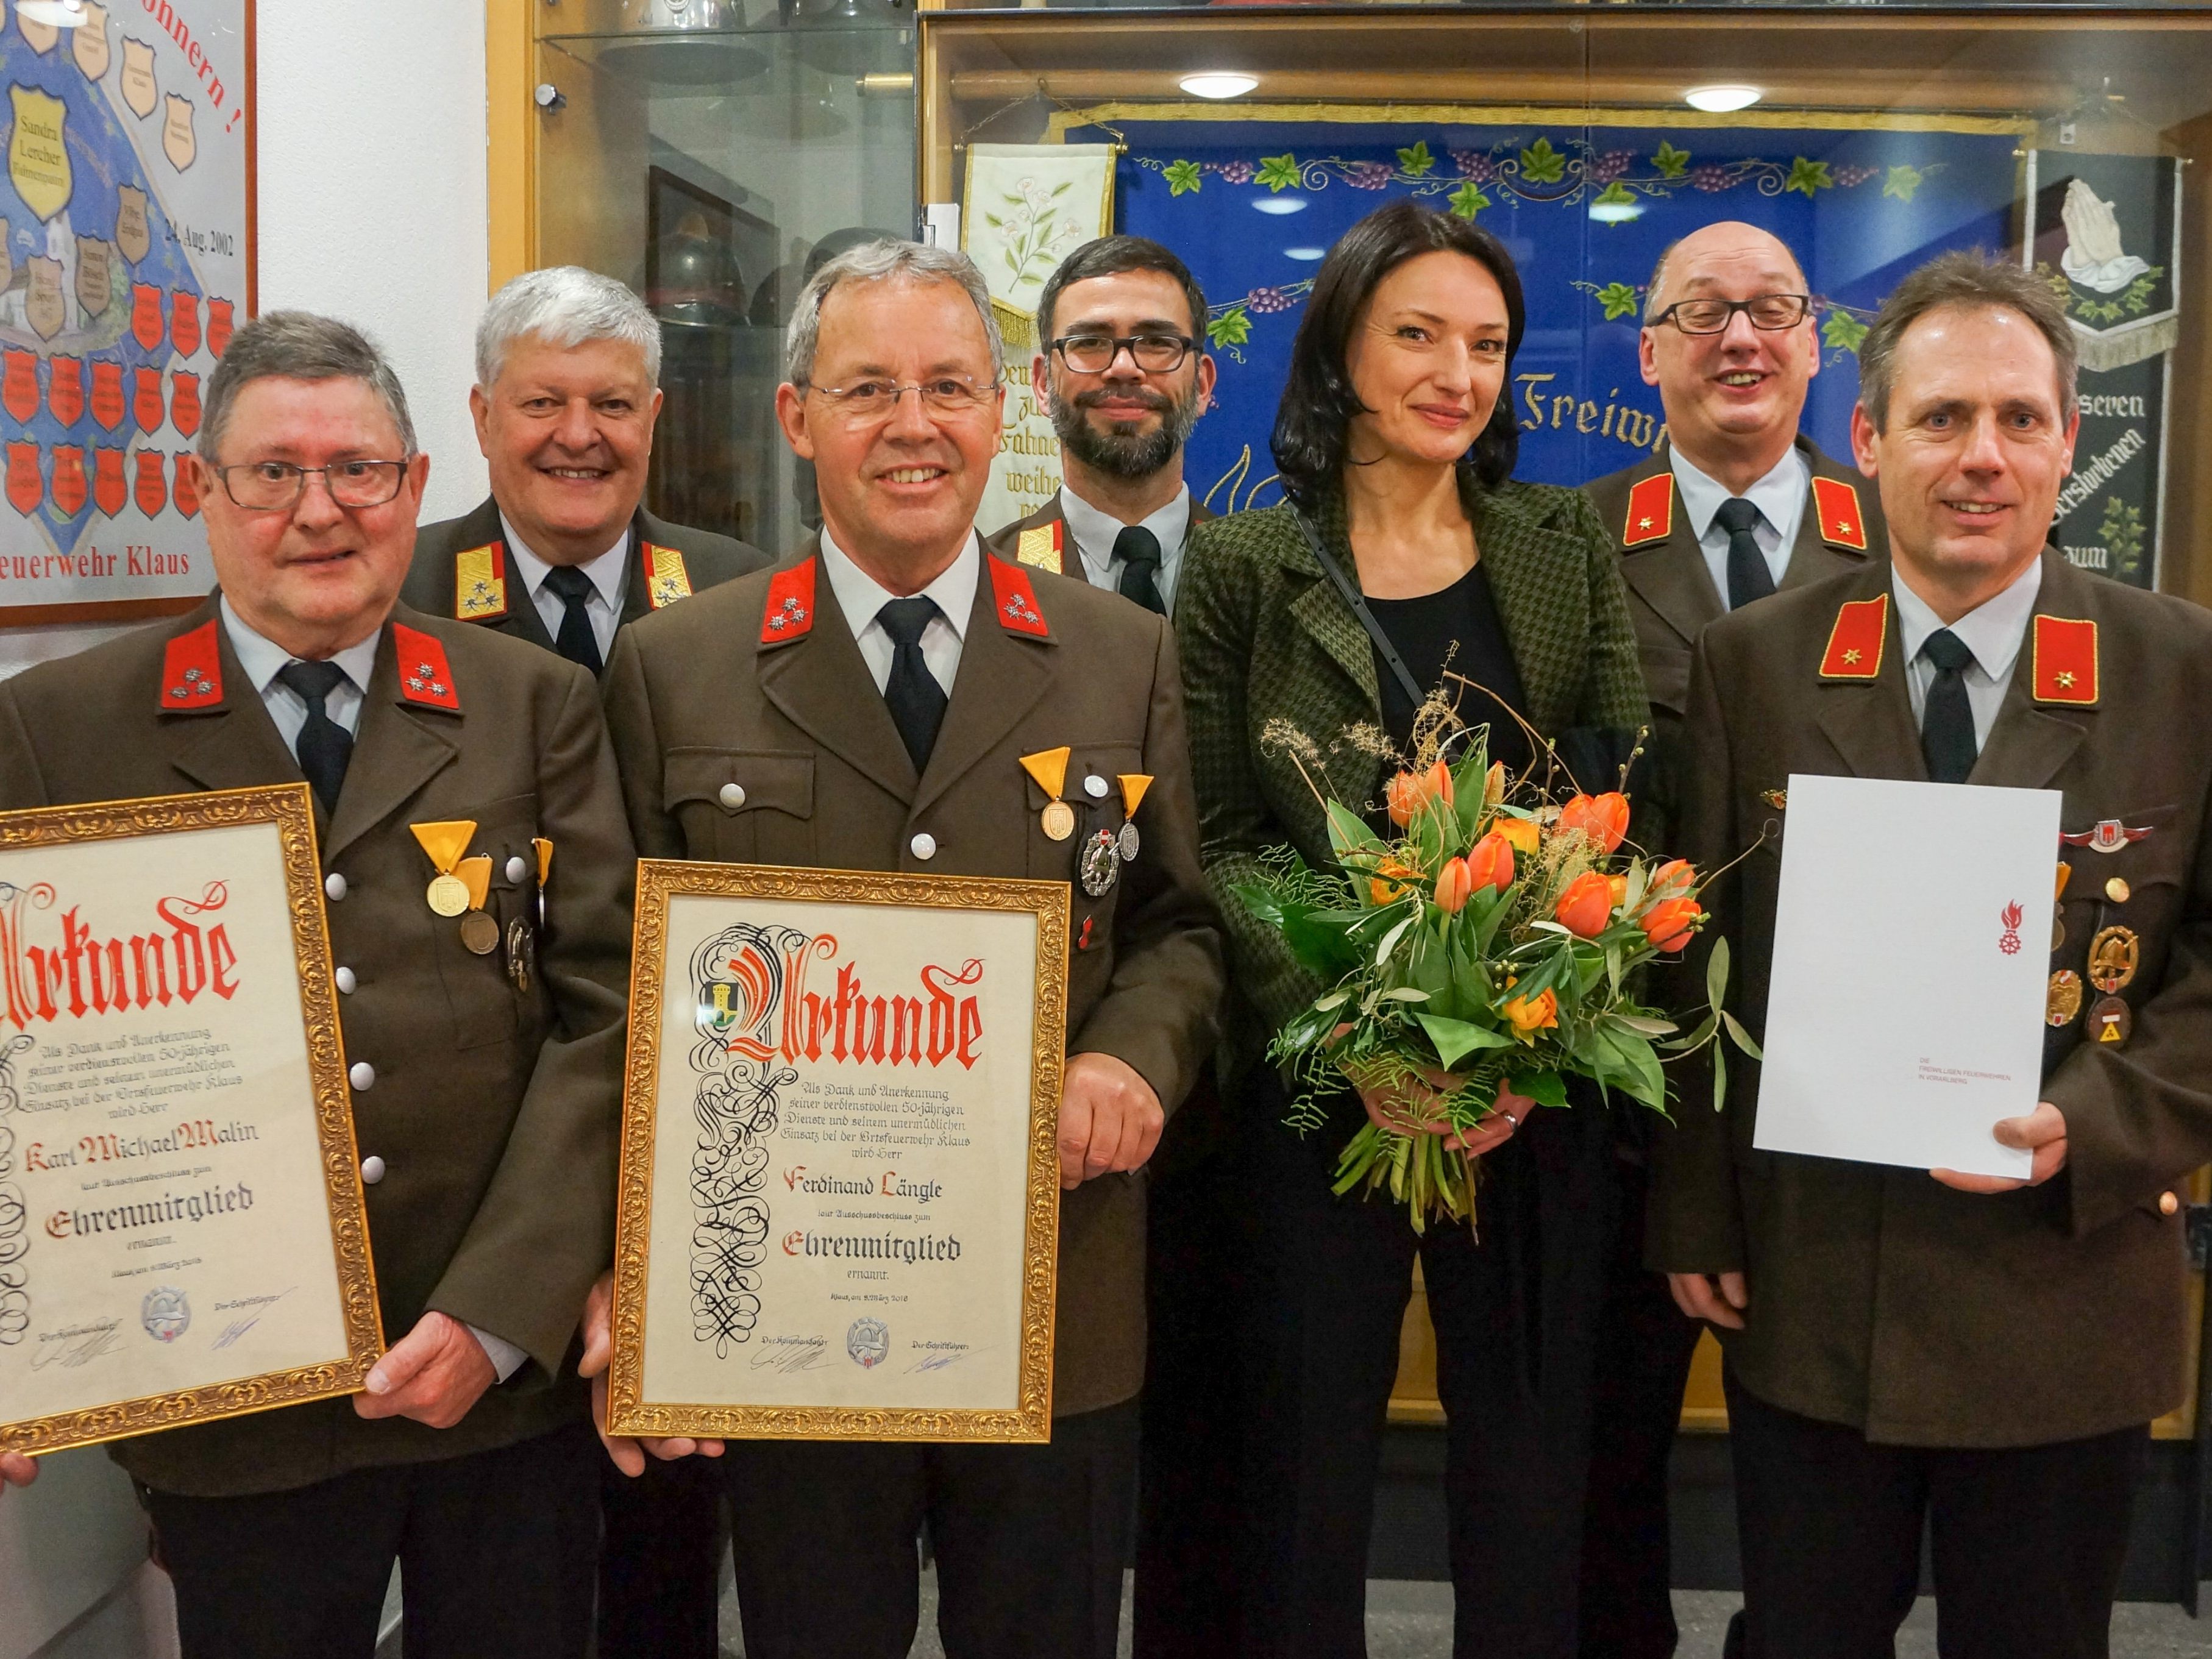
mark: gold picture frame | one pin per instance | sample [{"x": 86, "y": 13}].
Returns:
[
  {"x": 351, "y": 1314},
  {"x": 783, "y": 893}
]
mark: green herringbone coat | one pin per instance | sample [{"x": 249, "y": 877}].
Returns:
[{"x": 1265, "y": 637}]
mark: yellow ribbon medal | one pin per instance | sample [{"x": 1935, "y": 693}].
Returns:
[
  {"x": 445, "y": 842},
  {"x": 1050, "y": 768},
  {"x": 479, "y": 932},
  {"x": 1133, "y": 784}
]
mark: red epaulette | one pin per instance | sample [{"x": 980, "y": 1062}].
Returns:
[
  {"x": 1651, "y": 511},
  {"x": 1841, "y": 521},
  {"x": 192, "y": 669},
  {"x": 2065, "y": 666},
  {"x": 1015, "y": 600},
  {"x": 790, "y": 613},
  {"x": 424, "y": 678},
  {"x": 1856, "y": 641}
]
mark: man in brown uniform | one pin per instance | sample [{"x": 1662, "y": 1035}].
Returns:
[
  {"x": 1904, "y": 1347},
  {"x": 485, "y": 1086},
  {"x": 1736, "y": 503},
  {"x": 869, "y": 708}
]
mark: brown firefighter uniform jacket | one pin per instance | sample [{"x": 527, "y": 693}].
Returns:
[
  {"x": 1671, "y": 596},
  {"x": 494, "y": 1107},
  {"x": 760, "y": 685},
  {"x": 1880, "y": 1298},
  {"x": 462, "y": 570},
  {"x": 1041, "y": 540}
]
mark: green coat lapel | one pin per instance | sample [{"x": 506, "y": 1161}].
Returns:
[{"x": 1546, "y": 622}]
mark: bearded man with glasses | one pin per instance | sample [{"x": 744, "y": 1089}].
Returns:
[
  {"x": 869, "y": 706},
  {"x": 1736, "y": 503},
  {"x": 1122, "y": 370},
  {"x": 485, "y": 1050}
]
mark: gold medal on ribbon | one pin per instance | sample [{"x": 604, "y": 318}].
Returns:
[
  {"x": 2114, "y": 955},
  {"x": 1048, "y": 769},
  {"x": 445, "y": 842},
  {"x": 2063, "y": 1000},
  {"x": 479, "y": 932}
]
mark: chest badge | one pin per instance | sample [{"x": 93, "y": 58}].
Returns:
[
  {"x": 2107, "y": 835},
  {"x": 1049, "y": 768}
]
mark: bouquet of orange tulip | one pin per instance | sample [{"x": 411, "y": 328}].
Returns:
[{"x": 1488, "y": 949}]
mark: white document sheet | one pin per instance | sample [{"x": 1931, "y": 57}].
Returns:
[{"x": 1911, "y": 956}]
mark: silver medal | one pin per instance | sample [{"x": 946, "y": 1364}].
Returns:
[
  {"x": 1130, "y": 842},
  {"x": 1101, "y": 863}
]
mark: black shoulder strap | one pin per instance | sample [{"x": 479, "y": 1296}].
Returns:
[{"x": 1348, "y": 591}]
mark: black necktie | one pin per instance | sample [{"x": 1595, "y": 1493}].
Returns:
[
  {"x": 1139, "y": 550},
  {"x": 1947, "y": 720},
  {"x": 916, "y": 700},
  {"x": 575, "y": 640},
  {"x": 1748, "y": 577},
  {"x": 325, "y": 746}
]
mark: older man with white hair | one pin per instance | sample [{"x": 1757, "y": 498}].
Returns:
[{"x": 563, "y": 554}]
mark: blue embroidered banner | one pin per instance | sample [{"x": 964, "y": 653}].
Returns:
[{"x": 1253, "y": 205}]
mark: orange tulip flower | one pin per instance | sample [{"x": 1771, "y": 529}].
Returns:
[
  {"x": 1490, "y": 863},
  {"x": 1520, "y": 833},
  {"x": 1668, "y": 924},
  {"x": 1408, "y": 792},
  {"x": 1586, "y": 906},
  {"x": 1603, "y": 819},
  {"x": 1676, "y": 872},
  {"x": 1389, "y": 880},
  {"x": 1529, "y": 1017},
  {"x": 1453, "y": 885},
  {"x": 1618, "y": 886}
]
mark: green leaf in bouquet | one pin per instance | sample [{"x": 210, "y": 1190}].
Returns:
[
  {"x": 1544, "y": 1088},
  {"x": 1644, "y": 1025},
  {"x": 1348, "y": 833},
  {"x": 1265, "y": 904},
  {"x": 1639, "y": 875},
  {"x": 1322, "y": 940},
  {"x": 1696, "y": 1039},
  {"x": 1389, "y": 941},
  {"x": 1306, "y": 1030},
  {"x": 1455, "y": 1039},
  {"x": 1641, "y": 1079},
  {"x": 1716, "y": 975},
  {"x": 1613, "y": 968},
  {"x": 1742, "y": 1037},
  {"x": 1428, "y": 964},
  {"x": 1720, "y": 1077},
  {"x": 1333, "y": 999},
  {"x": 1404, "y": 993}
]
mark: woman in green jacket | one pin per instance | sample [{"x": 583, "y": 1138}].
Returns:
[{"x": 1395, "y": 441}]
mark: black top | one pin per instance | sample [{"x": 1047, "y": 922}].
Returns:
[{"x": 1487, "y": 681}]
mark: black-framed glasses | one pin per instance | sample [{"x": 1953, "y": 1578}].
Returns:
[
  {"x": 1094, "y": 354},
  {"x": 1771, "y": 313},
  {"x": 276, "y": 486},
  {"x": 873, "y": 400}
]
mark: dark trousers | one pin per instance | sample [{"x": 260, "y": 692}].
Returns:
[
  {"x": 2027, "y": 1541},
  {"x": 1326, "y": 1281},
  {"x": 1644, "y": 1347},
  {"x": 497, "y": 1551},
  {"x": 1186, "y": 1506},
  {"x": 660, "y": 1556},
  {"x": 1030, "y": 1543}
]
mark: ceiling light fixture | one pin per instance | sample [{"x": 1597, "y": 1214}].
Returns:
[
  {"x": 1278, "y": 204},
  {"x": 1218, "y": 85},
  {"x": 1722, "y": 101}
]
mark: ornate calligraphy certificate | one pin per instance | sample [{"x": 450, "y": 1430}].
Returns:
[
  {"x": 181, "y": 1234},
  {"x": 840, "y": 1192}
]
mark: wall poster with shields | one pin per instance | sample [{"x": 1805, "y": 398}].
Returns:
[
  {"x": 1585, "y": 200},
  {"x": 126, "y": 260}
]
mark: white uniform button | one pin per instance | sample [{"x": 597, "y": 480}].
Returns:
[
  {"x": 2167, "y": 1203},
  {"x": 334, "y": 885},
  {"x": 345, "y": 981},
  {"x": 361, "y": 1074},
  {"x": 516, "y": 869},
  {"x": 732, "y": 796},
  {"x": 372, "y": 1169},
  {"x": 923, "y": 846},
  {"x": 1095, "y": 786}
]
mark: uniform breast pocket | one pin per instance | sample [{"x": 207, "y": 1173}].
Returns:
[
  {"x": 1095, "y": 855},
  {"x": 1667, "y": 679},
  {"x": 2126, "y": 877},
  {"x": 741, "y": 805},
  {"x": 471, "y": 953}
]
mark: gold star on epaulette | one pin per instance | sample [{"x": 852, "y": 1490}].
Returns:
[
  {"x": 1851, "y": 656},
  {"x": 1644, "y": 524},
  {"x": 2065, "y": 676}
]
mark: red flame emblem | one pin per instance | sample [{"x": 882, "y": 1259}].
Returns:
[{"x": 2008, "y": 942}]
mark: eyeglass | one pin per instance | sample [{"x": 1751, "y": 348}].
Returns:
[
  {"x": 873, "y": 400},
  {"x": 276, "y": 486},
  {"x": 1094, "y": 354},
  {"x": 1769, "y": 312}
]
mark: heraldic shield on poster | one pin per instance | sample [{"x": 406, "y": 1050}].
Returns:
[
  {"x": 840, "y": 1191},
  {"x": 182, "y": 1235},
  {"x": 126, "y": 261}
]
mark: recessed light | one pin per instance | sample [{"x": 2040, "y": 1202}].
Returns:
[
  {"x": 1616, "y": 213},
  {"x": 54, "y": 13},
  {"x": 1720, "y": 101},
  {"x": 1220, "y": 85},
  {"x": 1308, "y": 254},
  {"x": 1279, "y": 205}
]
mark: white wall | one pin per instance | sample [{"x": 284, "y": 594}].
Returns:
[{"x": 372, "y": 208}]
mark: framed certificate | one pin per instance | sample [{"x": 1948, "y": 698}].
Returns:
[
  {"x": 181, "y": 1235},
  {"x": 840, "y": 1190}
]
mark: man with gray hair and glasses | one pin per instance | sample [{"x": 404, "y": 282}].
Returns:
[
  {"x": 888, "y": 702},
  {"x": 485, "y": 1049},
  {"x": 562, "y": 553}
]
